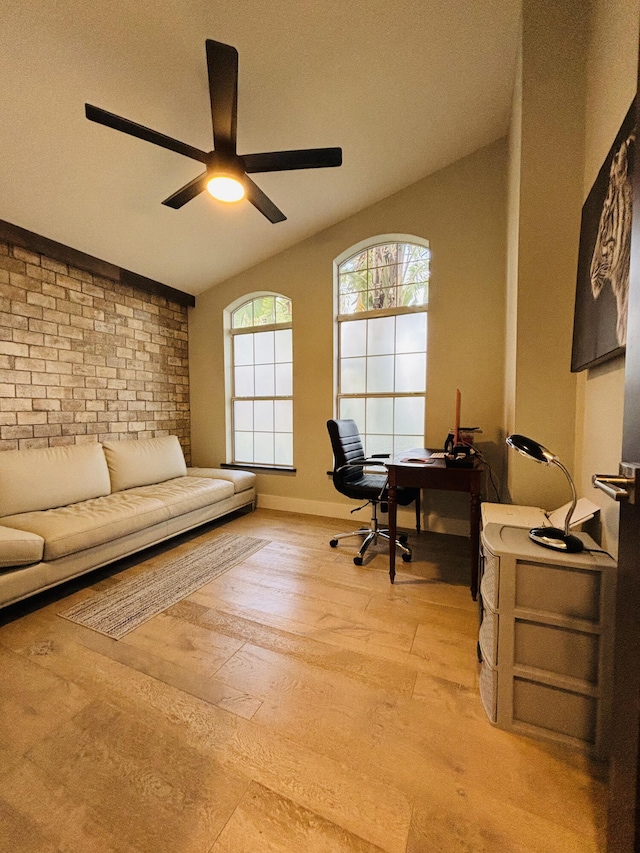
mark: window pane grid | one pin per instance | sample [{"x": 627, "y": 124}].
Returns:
[
  {"x": 386, "y": 359},
  {"x": 262, "y": 382},
  {"x": 382, "y": 344},
  {"x": 387, "y": 424},
  {"x": 263, "y": 431}
]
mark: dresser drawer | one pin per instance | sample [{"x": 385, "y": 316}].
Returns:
[
  {"x": 488, "y": 683},
  {"x": 490, "y": 584},
  {"x": 562, "y": 590},
  {"x": 562, "y": 711},
  {"x": 560, "y": 650},
  {"x": 488, "y": 636}
]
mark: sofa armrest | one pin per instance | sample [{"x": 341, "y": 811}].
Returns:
[
  {"x": 242, "y": 480},
  {"x": 19, "y": 548}
]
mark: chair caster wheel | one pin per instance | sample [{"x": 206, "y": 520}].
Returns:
[
  {"x": 406, "y": 558},
  {"x": 334, "y": 543},
  {"x": 403, "y": 538},
  {"x": 357, "y": 561}
]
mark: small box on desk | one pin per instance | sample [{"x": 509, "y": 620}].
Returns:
[
  {"x": 461, "y": 461},
  {"x": 458, "y": 455}
]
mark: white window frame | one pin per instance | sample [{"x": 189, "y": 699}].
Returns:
[
  {"x": 231, "y": 398},
  {"x": 369, "y": 314}
]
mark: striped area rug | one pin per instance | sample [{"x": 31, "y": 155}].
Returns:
[{"x": 123, "y": 607}]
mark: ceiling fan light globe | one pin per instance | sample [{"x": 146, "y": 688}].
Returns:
[{"x": 225, "y": 188}]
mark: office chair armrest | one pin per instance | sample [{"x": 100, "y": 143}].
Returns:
[{"x": 360, "y": 463}]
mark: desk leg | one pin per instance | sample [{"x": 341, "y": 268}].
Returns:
[
  {"x": 475, "y": 542},
  {"x": 393, "y": 512}
]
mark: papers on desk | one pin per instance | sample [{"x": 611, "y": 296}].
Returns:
[
  {"x": 423, "y": 460},
  {"x": 585, "y": 509},
  {"x": 533, "y": 516}
]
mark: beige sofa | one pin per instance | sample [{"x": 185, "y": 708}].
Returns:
[{"x": 66, "y": 510}]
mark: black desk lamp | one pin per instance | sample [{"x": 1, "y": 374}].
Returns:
[{"x": 550, "y": 537}]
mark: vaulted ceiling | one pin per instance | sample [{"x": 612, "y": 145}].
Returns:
[{"x": 405, "y": 87}]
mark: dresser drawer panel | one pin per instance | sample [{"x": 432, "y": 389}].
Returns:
[
  {"x": 488, "y": 636},
  {"x": 563, "y": 590},
  {"x": 563, "y": 651},
  {"x": 488, "y": 683},
  {"x": 490, "y": 579},
  {"x": 562, "y": 711}
]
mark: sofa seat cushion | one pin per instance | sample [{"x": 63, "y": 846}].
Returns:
[
  {"x": 82, "y": 525},
  {"x": 184, "y": 494},
  {"x": 242, "y": 480},
  {"x": 19, "y": 548}
]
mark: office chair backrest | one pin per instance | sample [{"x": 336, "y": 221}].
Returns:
[{"x": 347, "y": 448}]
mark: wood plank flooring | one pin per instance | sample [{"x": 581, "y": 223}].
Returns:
[{"x": 295, "y": 704}]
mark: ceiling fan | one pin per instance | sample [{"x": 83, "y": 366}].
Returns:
[{"x": 227, "y": 172}]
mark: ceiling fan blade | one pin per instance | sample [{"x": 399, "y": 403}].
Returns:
[
  {"x": 187, "y": 192},
  {"x": 281, "y": 161},
  {"x": 133, "y": 129},
  {"x": 261, "y": 202},
  {"x": 222, "y": 65}
]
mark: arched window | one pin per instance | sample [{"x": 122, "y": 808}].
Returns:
[
  {"x": 261, "y": 380},
  {"x": 382, "y": 290}
]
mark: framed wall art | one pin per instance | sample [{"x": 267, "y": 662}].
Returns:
[{"x": 602, "y": 287}]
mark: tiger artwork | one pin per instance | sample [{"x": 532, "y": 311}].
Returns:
[{"x": 611, "y": 253}]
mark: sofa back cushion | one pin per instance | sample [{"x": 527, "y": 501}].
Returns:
[
  {"x": 48, "y": 477},
  {"x": 141, "y": 462}
]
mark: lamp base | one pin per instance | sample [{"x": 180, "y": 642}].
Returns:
[{"x": 553, "y": 537}]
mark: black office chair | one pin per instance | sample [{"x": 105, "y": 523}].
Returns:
[{"x": 352, "y": 478}]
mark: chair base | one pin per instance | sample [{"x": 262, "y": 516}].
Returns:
[{"x": 370, "y": 536}]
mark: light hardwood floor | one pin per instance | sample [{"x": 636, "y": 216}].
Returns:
[{"x": 296, "y": 704}]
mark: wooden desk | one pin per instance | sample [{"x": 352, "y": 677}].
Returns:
[{"x": 435, "y": 475}]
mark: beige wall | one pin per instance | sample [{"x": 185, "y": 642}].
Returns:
[
  {"x": 513, "y": 224},
  {"x": 612, "y": 60},
  {"x": 461, "y": 212},
  {"x": 576, "y": 82},
  {"x": 544, "y": 225}
]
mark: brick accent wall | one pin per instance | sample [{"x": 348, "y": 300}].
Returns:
[{"x": 85, "y": 358}]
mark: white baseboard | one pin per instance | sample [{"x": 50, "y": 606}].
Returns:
[{"x": 331, "y": 509}]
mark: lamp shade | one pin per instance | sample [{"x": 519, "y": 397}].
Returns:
[
  {"x": 530, "y": 448},
  {"x": 549, "y": 537}
]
